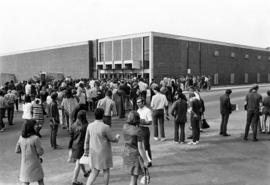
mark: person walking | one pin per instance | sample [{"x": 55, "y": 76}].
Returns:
[
  {"x": 30, "y": 148},
  {"x": 179, "y": 112},
  {"x": 145, "y": 120},
  {"x": 98, "y": 145},
  {"x": 9, "y": 100},
  {"x": 225, "y": 111},
  {"x": 76, "y": 144},
  {"x": 158, "y": 104},
  {"x": 109, "y": 107},
  {"x": 134, "y": 153},
  {"x": 253, "y": 103}
]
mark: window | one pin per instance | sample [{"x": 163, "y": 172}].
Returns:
[
  {"x": 258, "y": 77},
  {"x": 246, "y": 56},
  {"x": 216, "y": 53},
  {"x": 146, "y": 52},
  {"x": 232, "y": 78},
  {"x": 101, "y": 51},
  {"x": 259, "y": 57},
  {"x": 232, "y": 54},
  {"x": 246, "y": 77},
  {"x": 216, "y": 78}
]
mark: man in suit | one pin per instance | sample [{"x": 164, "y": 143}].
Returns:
[
  {"x": 225, "y": 111},
  {"x": 179, "y": 112}
]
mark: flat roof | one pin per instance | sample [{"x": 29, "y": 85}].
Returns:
[{"x": 46, "y": 48}]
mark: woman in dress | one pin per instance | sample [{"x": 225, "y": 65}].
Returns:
[
  {"x": 29, "y": 146},
  {"x": 69, "y": 104},
  {"x": 134, "y": 156},
  {"x": 76, "y": 144}
]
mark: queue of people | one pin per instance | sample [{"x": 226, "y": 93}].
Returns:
[{"x": 66, "y": 104}]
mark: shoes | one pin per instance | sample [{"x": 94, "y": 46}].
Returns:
[
  {"x": 175, "y": 142},
  {"x": 255, "y": 139},
  {"x": 182, "y": 142},
  {"x": 201, "y": 130},
  {"x": 156, "y": 138},
  {"x": 87, "y": 173},
  {"x": 149, "y": 165},
  {"x": 245, "y": 138},
  {"x": 193, "y": 143},
  {"x": 77, "y": 183},
  {"x": 190, "y": 137},
  {"x": 57, "y": 147},
  {"x": 11, "y": 124},
  {"x": 163, "y": 139},
  {"x": 226, "y": 135},
  {"x": 2, "y": 130},
  {"x": 221, "y": 133}
]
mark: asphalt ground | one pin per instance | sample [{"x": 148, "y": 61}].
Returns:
[{"x": 216, "y": 160}]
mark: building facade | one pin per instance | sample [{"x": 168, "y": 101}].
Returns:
[{"x": 150, "y": 55}]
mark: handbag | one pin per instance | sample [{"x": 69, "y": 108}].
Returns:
[
  {"x": 205, "y": 125},
  {"x": 146, "y": 177}
]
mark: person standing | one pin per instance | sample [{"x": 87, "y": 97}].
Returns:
[
  {"x": 179, "y": 112},
  {"x": 38, "y": 114},
  {"x": 253, "y": 102},
  {"x": 98, "y": 145},
  {"x": 266, "y": 113},
  {"x": 195, "y": 117},
  {"x": 109, "y": 107},
  {"x": 159, "y": 103},
  {"x": 134, "y": 153},
  {"x": 27, "y": 108},
  {"x": 29, "y": 146},
  {"x": 2, "y": 112},
  {"x": 54, "y": 120},
  {"x": 145, "y": 120},
  {"x": 225, "y": 111}
]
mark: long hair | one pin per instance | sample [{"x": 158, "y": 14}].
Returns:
[
  {"x": 28, "y": 128},
  {"x": 133, "y": 118}
]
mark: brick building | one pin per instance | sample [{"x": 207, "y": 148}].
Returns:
[{"x": 149, "y": 55}]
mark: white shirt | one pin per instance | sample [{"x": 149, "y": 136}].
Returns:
[
  {"x": 145, "y": 113},
  {"x": 28, "y": 89},
  {"x": 159, "y": 101},
  {"x": 27, "y": 111}
]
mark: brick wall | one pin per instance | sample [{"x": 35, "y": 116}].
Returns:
[
  {"x": 73, "y": 61},
  {"x": 173, "y": 57}
]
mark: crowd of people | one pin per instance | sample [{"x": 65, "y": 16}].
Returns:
[{"x": 67, "y": 102}]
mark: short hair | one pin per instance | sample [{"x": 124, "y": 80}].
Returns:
[
  {"x": 99, "y": 113},
  {"x": 133, "y": 118},
  {"x": 228, "y": 91},
  {"x": 108, "y": 93},
  {"x": 157, "y": 88},
  {"x": 54, "y": 95}
]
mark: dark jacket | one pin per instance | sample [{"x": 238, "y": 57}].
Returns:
[
  {"x": 179, "y": 111},
  {"x": 225, "y": 104}
]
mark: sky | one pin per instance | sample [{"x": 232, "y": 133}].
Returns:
[{"x": 33, "y": 24}]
